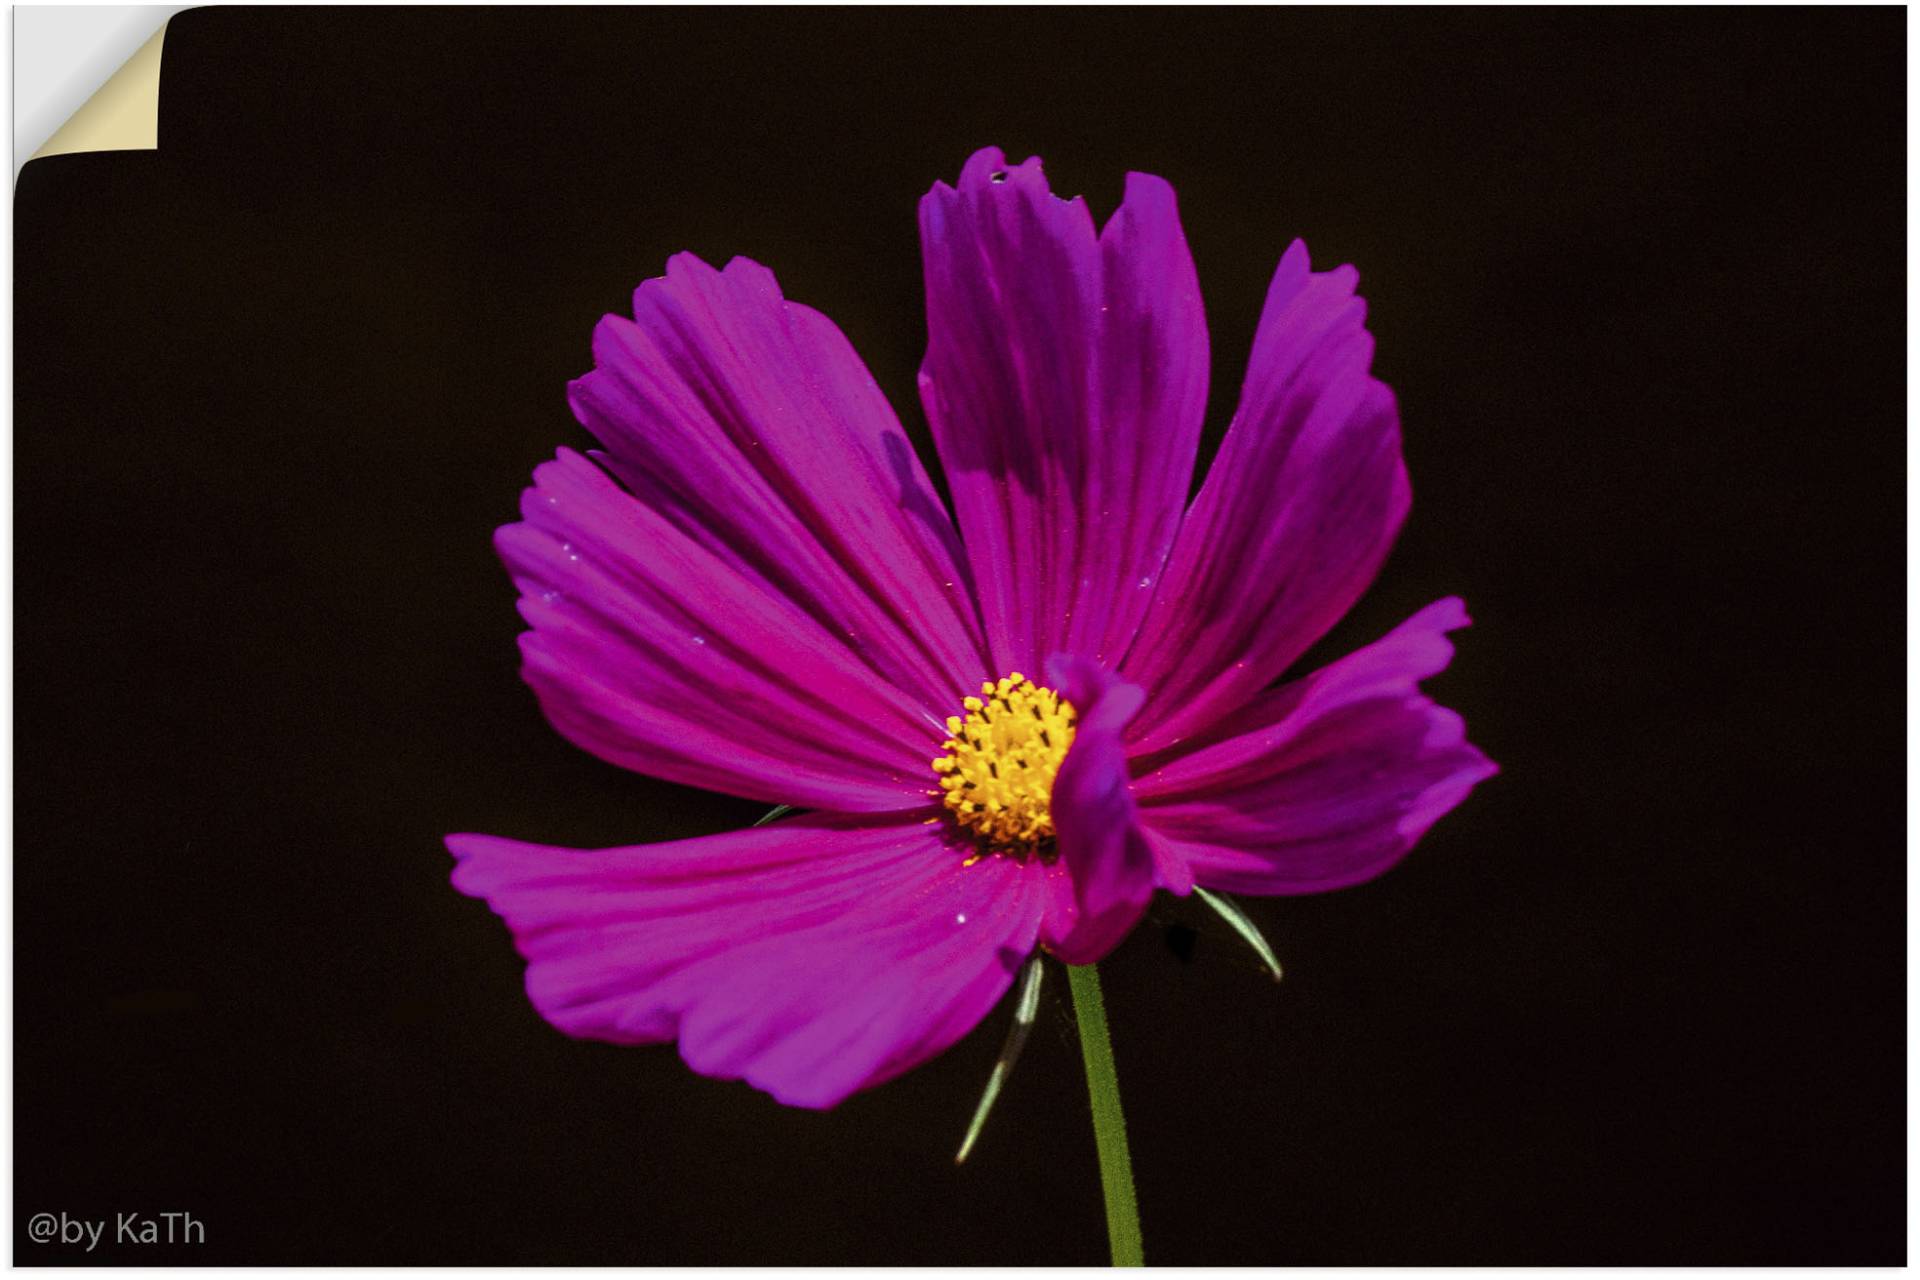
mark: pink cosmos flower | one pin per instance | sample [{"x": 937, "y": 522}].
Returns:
[{"x": 1011, "y": 726}]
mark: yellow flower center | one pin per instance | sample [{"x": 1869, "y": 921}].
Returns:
[{"x": 997, "y": 775}]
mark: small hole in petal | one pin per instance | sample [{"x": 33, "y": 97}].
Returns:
[{"x": 998, "y": 175}]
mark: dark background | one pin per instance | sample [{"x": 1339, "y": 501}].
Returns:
[{"x": 1637, "y": 277}]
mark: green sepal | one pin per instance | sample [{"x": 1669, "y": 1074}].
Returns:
[
  {"x": 1024, "y": 1010},
  {"x": 1246, "y": 928}
]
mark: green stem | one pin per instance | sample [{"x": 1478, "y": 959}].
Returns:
[{"x": 1109, "y": 1126}]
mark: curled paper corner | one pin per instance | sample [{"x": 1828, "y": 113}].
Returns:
[{"x": 123, "y": 113}]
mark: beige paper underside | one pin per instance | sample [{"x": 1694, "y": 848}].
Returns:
[{"x": 122, "y": 115}]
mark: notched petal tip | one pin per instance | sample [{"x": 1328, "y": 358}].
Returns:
[
  {"x": 480, "y": 862},
  {"x": 1146, "y": 195},
  {"x": 1449, "y": 613},
  {"x": 988, "y": 167},
  {"x": 741, "y": 267},
  {"x": 684, "y": 265},
  {"x": 987, "y": 176},
  {"x": 982, "y": 164},
  {"x": 1444, "y": 796}
]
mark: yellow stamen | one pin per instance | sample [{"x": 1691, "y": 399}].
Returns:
[{"x": 997, "y": 775}]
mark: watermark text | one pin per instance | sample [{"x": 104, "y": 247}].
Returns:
[{"x": 120, "y": 1229}]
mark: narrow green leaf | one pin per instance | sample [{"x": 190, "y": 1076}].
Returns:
[
  {"x": 1023, "y": 1014},
  {"x": 778, "y": 811},
  {"x": 1242, "y": 926}
]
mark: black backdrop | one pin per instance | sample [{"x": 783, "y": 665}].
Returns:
[{"x": 1637, "y": 277}]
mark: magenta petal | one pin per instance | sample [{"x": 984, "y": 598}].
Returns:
[
  {"x": 1325, "y": 781},
  {"x": 662, "y": 655},
  {"x": 749, "y": 423},
  {"x": 1111, "y": 862},
  {"x": 1065, "y": 380},
  {"x": 1296, "y": 515},
  {"x": 810, "y": 958}
]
